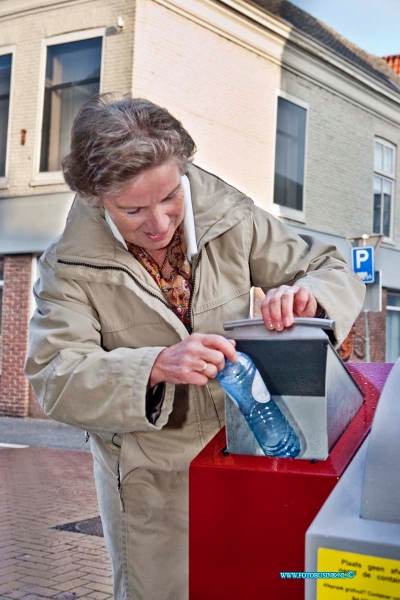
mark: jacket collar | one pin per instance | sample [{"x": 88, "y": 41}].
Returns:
[
  {"x": 188, "y": 223},
  {"x": 88, "y": 236}
]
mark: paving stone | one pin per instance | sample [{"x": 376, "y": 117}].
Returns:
[
  {"x": 39, "y": 591},
  {"x": 45, "y": 488},
  {"x": 15, "y": 594},
  {"x": 76, "y": 592},
  {"x": 33, "y": 597}
]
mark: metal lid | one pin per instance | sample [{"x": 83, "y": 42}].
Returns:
[{"x": 308, "y": 322}]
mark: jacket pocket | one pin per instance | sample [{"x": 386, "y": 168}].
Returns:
[{"x": 118, "y": 442}]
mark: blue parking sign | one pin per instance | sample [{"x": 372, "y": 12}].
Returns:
[{"x": 362, "y": 259}]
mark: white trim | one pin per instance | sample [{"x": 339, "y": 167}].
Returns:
[
  {"x": 48, "y": 178},
  {"x": 10, "y": 8},
  {"x": 288, "y": 213},
  {"x": 8, "y": 50},
  {"x": 6, "y": 445},
  {"x": 277, "y": 209},
  {"x": 115, "y": 231},
  {"x": 292, "y": 99},
  {"x": 251, "y": 313},
  {"x": 188, "y": 222},
  {"x": 388, "y": 241},
  {"x": 74, "y": 36},
  {"x": 393, "y": 307}
]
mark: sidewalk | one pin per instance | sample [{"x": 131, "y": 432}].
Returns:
[
  {"x": 41, "y": 432},
  {"x": 41, "y": 488}
]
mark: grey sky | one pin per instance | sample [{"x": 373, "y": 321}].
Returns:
[{"x": 374, "y": 25}]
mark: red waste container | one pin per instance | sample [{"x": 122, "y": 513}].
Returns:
[{"x": 248, "y": 515}]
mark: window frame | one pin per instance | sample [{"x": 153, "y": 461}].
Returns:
[
  {"x": 391, "y": 308},
  {"x": 8, "y": 50},
  {"x": 277, "y": 209},
  {"x": 56, "y": 177},
  {"x": 391, "y": 178}
]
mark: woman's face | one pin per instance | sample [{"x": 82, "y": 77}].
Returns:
[{"x": 150, "y": 208}]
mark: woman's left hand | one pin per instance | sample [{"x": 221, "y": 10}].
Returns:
[{"x": 282, "y": 304}]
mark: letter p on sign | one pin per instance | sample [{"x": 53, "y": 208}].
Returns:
[{"x": 361, "y": 257}]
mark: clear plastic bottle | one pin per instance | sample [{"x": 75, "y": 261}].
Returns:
[{"x": 244, "y": 384}]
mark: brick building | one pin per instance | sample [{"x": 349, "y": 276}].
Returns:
[{"x": 278, "y": 103}]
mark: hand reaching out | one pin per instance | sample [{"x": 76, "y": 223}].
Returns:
[
  {"x": 193, "y": 361},
  {"x": 282, "y": 304}
]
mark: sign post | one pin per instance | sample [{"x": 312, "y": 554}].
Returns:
[{"x": 363, "y": 263}]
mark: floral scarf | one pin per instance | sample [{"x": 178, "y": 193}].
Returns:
[{"x": 178, "y": 288}]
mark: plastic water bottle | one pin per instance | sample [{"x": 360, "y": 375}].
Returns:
[{"x": 244, "y": 384}]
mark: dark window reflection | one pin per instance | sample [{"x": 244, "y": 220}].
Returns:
[
  {"x": 5, "y": 84},
  {"x": 72, "y": 77},
  {"x": 289, "y": 155}
]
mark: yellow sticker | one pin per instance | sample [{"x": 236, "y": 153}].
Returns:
[{"x": 374, "y": 577}]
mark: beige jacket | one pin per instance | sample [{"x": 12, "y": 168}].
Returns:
[{"x": 101, "y": 322}]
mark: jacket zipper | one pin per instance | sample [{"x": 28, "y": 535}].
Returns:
[
  {"x": 142, "y": 287},
  {"x": 103, "y": 268},
  {"x": 193, "y": 283}
]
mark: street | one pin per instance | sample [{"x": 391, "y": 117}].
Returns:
[{"x": 43, "y": 488}]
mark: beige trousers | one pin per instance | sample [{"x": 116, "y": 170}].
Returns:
[{"x": 145, "y": 526}]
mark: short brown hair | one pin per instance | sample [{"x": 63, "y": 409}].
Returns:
[{"x": 116, "y": 138}]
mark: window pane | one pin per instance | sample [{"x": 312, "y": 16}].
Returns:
[
  {"x": 5, "y": 83},
  {"x": 393, "y": 300},
  {"x": 289, "y": 155},
  {"x": 388, "y": 160},
  {"x": 387, "y": 199},
  {"x": 377, "y": 204},
  {"x": 72, "y": 77},
  {"x": 378, "y": 159},
  {"x": 392, "y": 335}
]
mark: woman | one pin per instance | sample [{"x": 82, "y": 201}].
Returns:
[{"x": 127, "y": 337}]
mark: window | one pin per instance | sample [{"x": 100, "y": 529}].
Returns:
[
  {"x": 5, "y": 87},
  {"x": 72, "y": 76},
  {"x": 384, "y": 169},
  {"x": 290, "y": 155},
  {"x": 392, "y": 326}
]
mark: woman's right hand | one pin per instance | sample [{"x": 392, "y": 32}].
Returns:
[{"x": 193, "y": 361}]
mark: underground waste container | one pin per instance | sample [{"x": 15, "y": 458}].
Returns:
[
  {"x": 248, "y": 513},
  {"x": 357, "y": 531}
]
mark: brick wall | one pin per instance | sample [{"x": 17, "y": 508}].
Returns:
[
  {"x": 353, "y": 349},
  {"x": 14, "y": 390}
]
